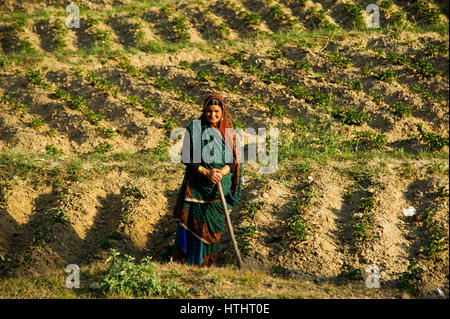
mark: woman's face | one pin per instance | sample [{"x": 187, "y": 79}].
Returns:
[{"x": 213, "y": 114}]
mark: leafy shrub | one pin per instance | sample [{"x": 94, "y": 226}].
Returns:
[
  {"x": 37, "y": 78},
  {"x": 377, "y": 97},
  {"x": 426, "y": 69},
  {"x": 427, "y": 13},
  {"x": 277, "y": 110},
  {"x": 354, "y": 10},
  {"x": 387, "y": 76},
  {"x": 350, "y": 273},
  {"x": 170, "y": 123},
  {"x": 244, "y": 234},
  {"x": 401, "y": 109},
  {"x": 350, "y": 117},
  {"x": 436, "y": 243},
  {"x": 371, "y": 139},
  {"x": 337, "y": 59},
  {"x": 279, "y": 270},
  {"x": 123, "y": 276},
  {"x": 362, "y": 227},
  {"x": 432, "y": 49},
  {"x": 103, "y": 148},
  {"x": 298, "y": 228},
  {"x": 52, "y": 150},
  {"x": 435, "y": 141},
  {"x": 303, "y": 65},
  {"x": 252, "y": 208},
  {"x": 251, "y": 17},
  {"x": 410, "y": 279},
  {"x": 202, "y": 75},
  {"x": 356, "y": 85}
]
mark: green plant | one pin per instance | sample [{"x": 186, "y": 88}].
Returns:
[
  {"x": 76, "y": 102},
  {"x": 363, "y": 227},
  {"x": 350, "y": 273},
  {"x": 441, "y": 191},
  {"x": 185, "y": 65},
  {"x": 432, "y": 49},
  {"x": 103, "y": 84},
  {"x": 14, "y": 103},
  {"x": 252, "y": 208},
  {"x": 275, "y": 54},
  {"x": 425, "y": 68},
  {"x": 386, "y": 75},
  {"x": 426, "y": 93},
  {"x": 75, "y": 170},
  {"x": 103, "y": 148},
  {"x": 410, "y": 279},
  {"x": 180, "y": 28},
  {"x": 132, "y": 70},
  {"x": 123, "y": 276},
  {"x": 367, "y": 204},
  {"x": 350, "y": 117},
  {"x": 427, "y": 13},
  {"x": 370, "y": 139},
  {"x": 161, "y": 151},
  {"x": 230, "y": 61},
  {"x": 356, "y": 85},
  {"x": 438, "y": 235},
  {"x": 223, "y": 30},
  {"x": 106, "y": 131},
  {"x": 303, "y": 65},
  {"x": 202, "y": 75},
  {"x": 52, "y": 150},
  {"x": 58, "y": 215},
  {"x": 251, "y": 17},
  {"x": 134, "y": 191},
  {"x": 277, "y": 12},
  {"x": 435, "y": 141},
  {"x": 220, "y": 81},
  {"x": 37, "y": 78},
  {"x": 238, "y": 124},
  {"x": 354, "y": 11},
  {"x": 279, "y": 270},
  {"x": 386, "y": 4},
  {"x": 244, "y": 234},
  {"x": 398, "y": 18},
  {"x": 42, "y": 236},
  {"x": 335, "y": 57},
  {"x": 298, "y": 228},
  {"x": 148, "y": 104},
  {"x": 277, "y": 110},
  {"x": 377, "y": 97},
  {"x": 170, "y": 123},
  {"x": 401, "y": 109}
]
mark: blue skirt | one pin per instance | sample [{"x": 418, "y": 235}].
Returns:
[{"x": 190, "y": 245}]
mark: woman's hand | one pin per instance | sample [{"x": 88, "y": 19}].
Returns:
[{"x": 213, "y": 175}]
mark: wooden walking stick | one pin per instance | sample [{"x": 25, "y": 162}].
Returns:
[{"x": 230, "y": 228}]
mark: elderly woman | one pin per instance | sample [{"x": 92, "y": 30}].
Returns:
[{"x": 198, "y": 209}]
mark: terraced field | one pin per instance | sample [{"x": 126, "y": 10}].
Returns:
[{"x": 363, "y": 119}]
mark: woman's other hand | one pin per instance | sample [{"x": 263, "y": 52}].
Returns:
[{"x": 213, "y": 175}]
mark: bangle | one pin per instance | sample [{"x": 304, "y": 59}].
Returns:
[{"x": 200, "y": 169}]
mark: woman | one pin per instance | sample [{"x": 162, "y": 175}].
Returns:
[{"x": 199, "y": 209}]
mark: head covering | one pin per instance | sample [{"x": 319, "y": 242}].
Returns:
[{"x": 228, "y": 135}]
